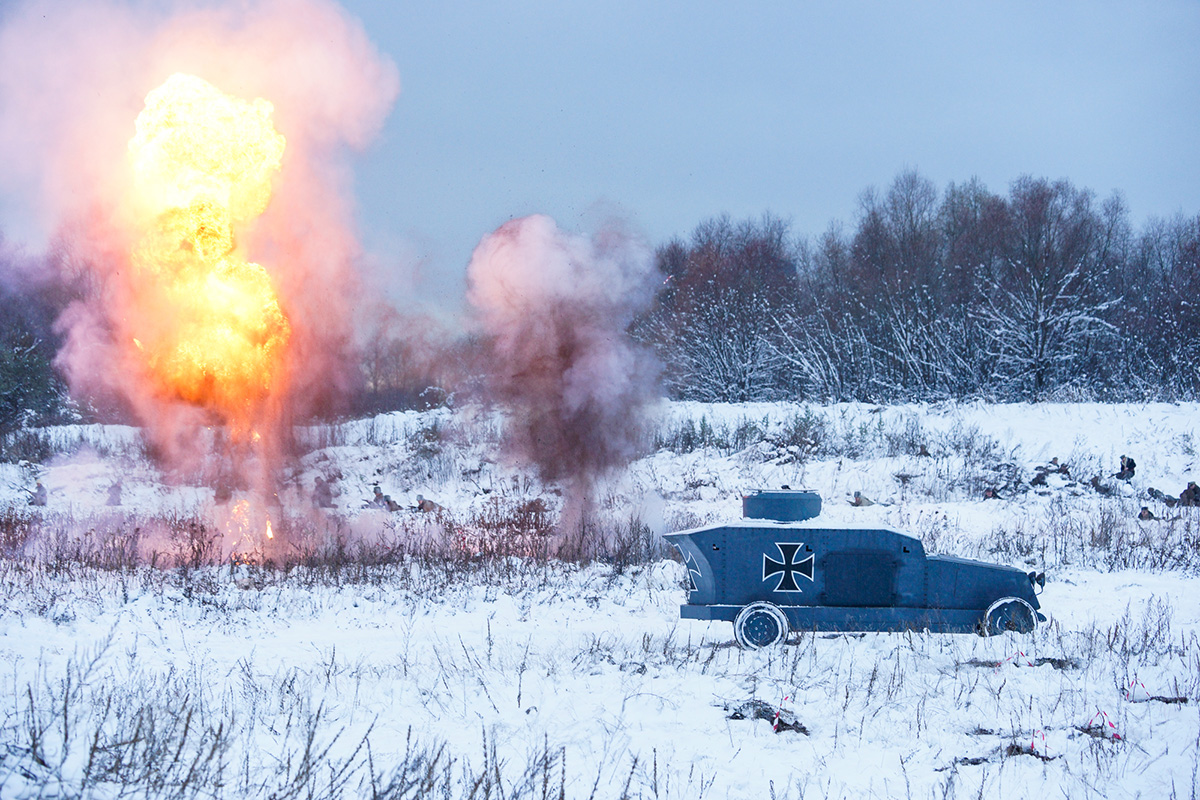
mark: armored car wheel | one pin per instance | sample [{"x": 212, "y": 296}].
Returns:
[
  {"x": 1008, "y": 614},
  {"x": 760, "y": 625}
]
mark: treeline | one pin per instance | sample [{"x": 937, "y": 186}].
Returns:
[
  {"x": 1046, "y": 293},
  {"x": 1043, "y": 293}
]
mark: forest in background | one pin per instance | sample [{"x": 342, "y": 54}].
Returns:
[
  {"x": 1043, "y": 293},
  {"x": 1046, "y": 293}
]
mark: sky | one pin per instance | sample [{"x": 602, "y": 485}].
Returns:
[
  {"x": 667, "y": 113},
  {"x": 671, "y": 112}
]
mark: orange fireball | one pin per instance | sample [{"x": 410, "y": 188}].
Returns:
[{"x": 214, "y": 334}]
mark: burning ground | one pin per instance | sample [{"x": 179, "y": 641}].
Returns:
[{"x": 401, "y": 631}]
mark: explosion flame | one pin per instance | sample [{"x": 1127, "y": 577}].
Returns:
[
  {"x": 156, "y": 226},
  {"x": 203, "y": 162}
]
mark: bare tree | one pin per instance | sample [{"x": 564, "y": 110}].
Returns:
[
  {"x": 406, "y": 361},
  {"x": 1163, "y": 323},
  {"x": 897, "y": 261},
  {"x": 712, "y": 322},
  {"x": 1046, "y": 303}
]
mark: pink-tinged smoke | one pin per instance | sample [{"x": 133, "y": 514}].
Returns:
[
  {"x": 73, "y": 79},
  {"x": 556, "y": 308}
]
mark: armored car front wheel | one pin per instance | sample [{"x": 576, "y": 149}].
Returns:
[
  {"x": 760, "y": 625},
  {"x": 1008, "y": 614}
]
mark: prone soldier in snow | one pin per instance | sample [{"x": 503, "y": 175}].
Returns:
[
  {"x": 861, "y": 499},
  {"x": 1165, "y": 499},
  {"x": 1052, "y": 468},
  {"x": 426, "y": 505},
  {"x": 1190, "y": 496},
  {"x": 1006, "y": 478},
  {"x": 377, "y": 500}
]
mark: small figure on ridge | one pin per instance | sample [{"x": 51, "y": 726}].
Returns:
[{"x": 861, "y": 499}]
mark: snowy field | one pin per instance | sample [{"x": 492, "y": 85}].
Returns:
[{"x": 411, "y": 655}]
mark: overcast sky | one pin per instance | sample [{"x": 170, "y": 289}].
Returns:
[{"x": 672, "y": 112}]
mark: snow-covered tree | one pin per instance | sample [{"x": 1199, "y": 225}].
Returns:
[
  {"x": 712, "y": 323},
  {"x": 1046, "y": 305}
]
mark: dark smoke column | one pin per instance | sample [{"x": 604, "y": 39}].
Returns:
[{"x": 555, "y": 308}]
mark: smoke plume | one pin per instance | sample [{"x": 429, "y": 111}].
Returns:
[
  {"x": 556, "y": 307},
  {"x": 73, "y": 79}
]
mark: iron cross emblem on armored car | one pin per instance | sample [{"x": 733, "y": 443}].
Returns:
[{"x": 789, "y": 567}]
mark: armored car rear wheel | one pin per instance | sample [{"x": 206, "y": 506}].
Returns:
[
  {"x": 760, "y": 625},
  {"x": 1008, "y": 614}
]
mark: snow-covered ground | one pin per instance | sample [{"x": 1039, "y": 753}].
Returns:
[{"x": 331, "y": 680}]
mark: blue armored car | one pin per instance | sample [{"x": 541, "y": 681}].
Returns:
[{"x": 778, "y": 570}]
